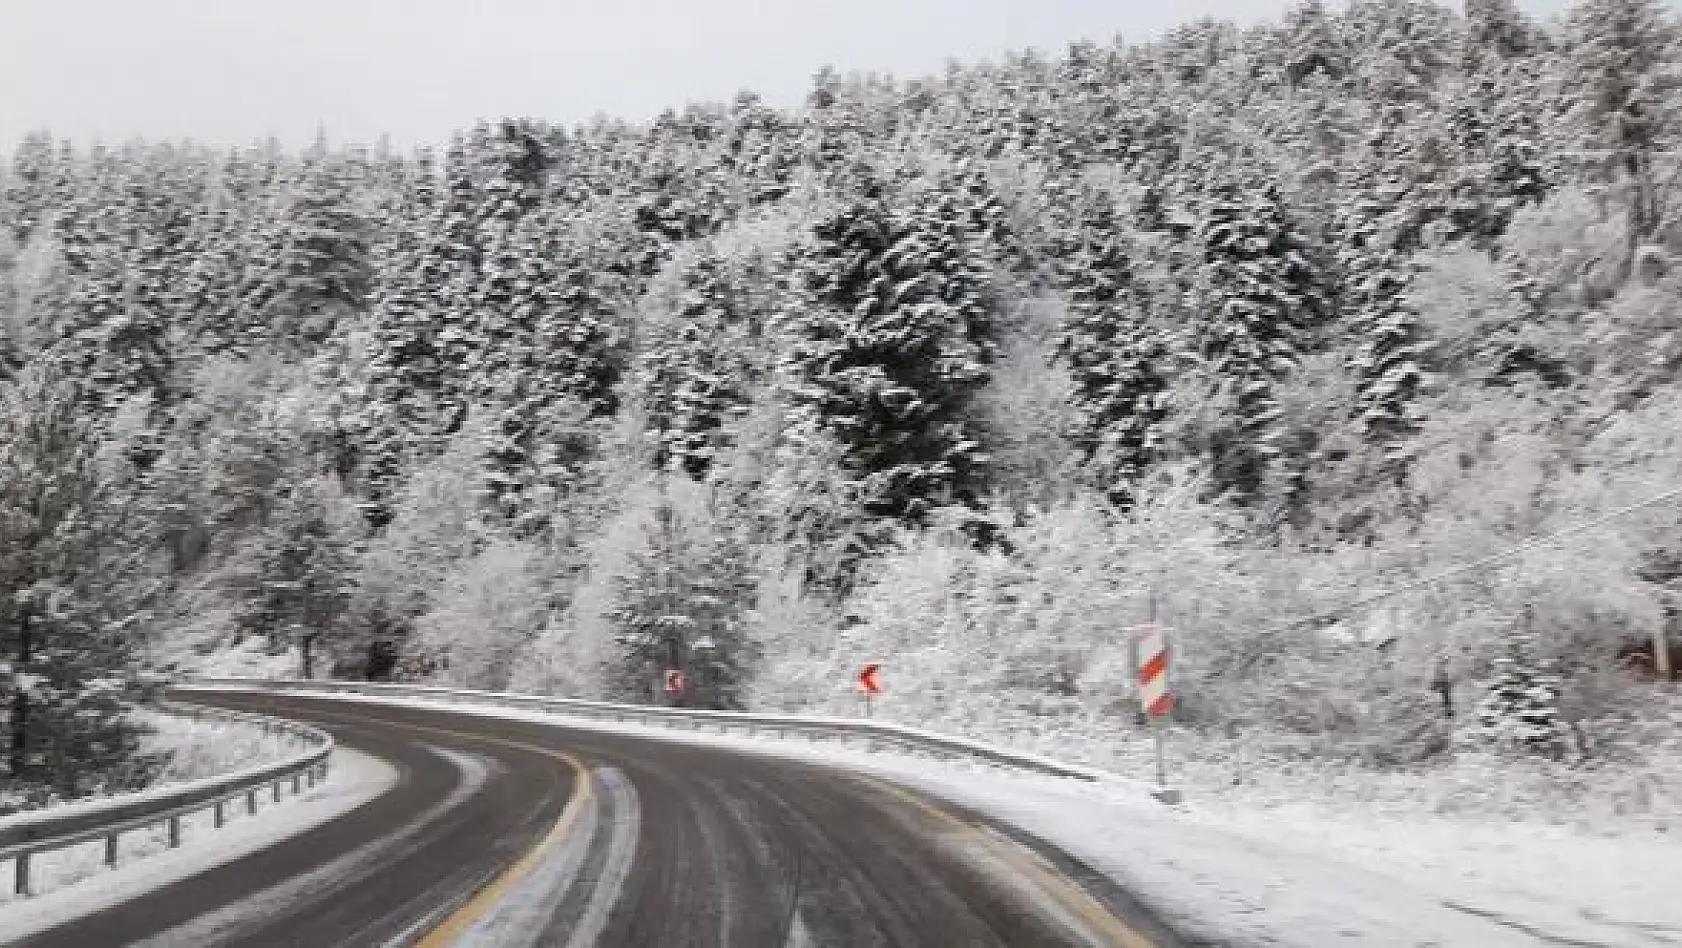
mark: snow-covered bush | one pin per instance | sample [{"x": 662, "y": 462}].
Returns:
[
  {"x": 1520, "y": 707},
  {"x": 492, "y": 605}
]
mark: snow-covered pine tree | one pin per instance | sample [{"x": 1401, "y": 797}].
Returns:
[
  {"x": 763, "y": 149},
  {"x": 219, "y": 249},
  {"x": 982, "y": 218},
  {"x": 39, "y": 184},
  {"x": 1264, "y": 295},
  {"x": 1520, "y": 709},
  {"x": 320, "y": 273},
  {"x": 301, "y": 574},
  {"x": 510, "y": 159},
  {"x": 695, "y": 369},
  {"x": 1312, "y": 44},
  {"x": 504, "y": 302},
  {"x": 683, "y": 604},
  {"x": 1389, "y": 360},
  {"x": 551, "y": 363},
  {"x": 73, "y": 581},
  {"x": 1119, "y": 387},
  {"x": 408, "y": 378},
  {"x": 1499, "y": 26},
  {"x": 1622, "y": 73},
  {"x": 1468, "y": 166},
  {"x": 678, "y": 203},
  {"x": 102, "y": 315},
  {"x": 455, "y": 250},
  {"x": 891, "y": 338},
  {"x": 95, "y": 310}
]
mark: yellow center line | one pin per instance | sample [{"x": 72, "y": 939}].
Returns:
[
  {"x": 1067, "y": 893},
  {"x": 488, "y": 895},
  {"x": 1070, "y": 895},
  {"x": 492, "y": 892}
]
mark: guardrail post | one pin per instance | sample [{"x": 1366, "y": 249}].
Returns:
[
  {"x": 174, "y": 832},
  {"x": 111, "y": 850},
  {"x": 277, "y": 791},
  {"x": 250, "y": 802},
  {"x": 22, "y": 883},
  {"x": 297, "y": 784},
  {"x": 221, "y": 813}
]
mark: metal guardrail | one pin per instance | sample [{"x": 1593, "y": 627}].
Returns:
[
  {"x": 32, "y": 832},
  {"x": 874, "y": 735}
]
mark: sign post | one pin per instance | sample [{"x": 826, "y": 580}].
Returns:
[
  {"x": 1150, "y": 676},
  {"x": 869, "y": 685}
]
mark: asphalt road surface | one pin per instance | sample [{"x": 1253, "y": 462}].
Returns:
[{"x": 510, "y": 833}]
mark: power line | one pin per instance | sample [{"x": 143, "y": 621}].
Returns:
[{"x": 1468, "y": 567}]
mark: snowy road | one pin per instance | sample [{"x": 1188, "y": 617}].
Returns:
[{"x": 520, "y": 833}]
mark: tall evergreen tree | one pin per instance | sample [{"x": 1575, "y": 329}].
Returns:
[
  {"x": 408, "y": 381},
  {"x": 682, "y": 605},
  {"x": 1623, "y": 76},
  {"x": 1117, "y": 368},
  {"x": 39, "y": 184},
  {"x": 551, "y": 365},
  {"x": 1499, "y": 26},
  {"x": 696, "y": 370},
  {"x": 1264, "y": 295},
  {"x": 300, "y": 576},
  {"x": 890, "y": 339},
  {"x": 73, "y": 583},
  {"x": 320, "y": 273},
  {"x": 1388, "y": 366}
]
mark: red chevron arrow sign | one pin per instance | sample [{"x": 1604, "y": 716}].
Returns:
[{"x": 868, "y": 682}]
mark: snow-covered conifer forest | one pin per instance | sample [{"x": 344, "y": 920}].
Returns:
[{"x": 964, "y": 374}]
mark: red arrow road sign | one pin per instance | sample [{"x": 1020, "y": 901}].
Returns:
[
  {"x": 675, "y": 681},
  {"x": 867, "y": 678}
]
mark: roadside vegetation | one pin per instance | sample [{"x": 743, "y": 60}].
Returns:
[{"x": 964, "y": 374}]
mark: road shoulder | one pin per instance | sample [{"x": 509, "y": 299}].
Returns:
[{"x": 354, "y": 779}]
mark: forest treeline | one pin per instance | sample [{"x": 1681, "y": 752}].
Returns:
[{"x": 965, "y": 374}]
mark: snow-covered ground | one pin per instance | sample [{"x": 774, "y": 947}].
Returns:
[
  {"x": 192, "y": 748},
  {"x": 1239, "y": 873},
  {"x": 145, "y": 862},
  {"x": 1632, "y": 785},
  {"x": 251, "y": 657},
  {"x": 1254, "y": 876}
]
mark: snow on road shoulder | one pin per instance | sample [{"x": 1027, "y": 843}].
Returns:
[
  {"x": 1230, "y": 874},
  {"x": 77, "y": 883},
  {"x": 1259, "y": 879},
  {"x": 1255, "y": 876}
]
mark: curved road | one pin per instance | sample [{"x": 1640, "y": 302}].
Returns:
[{"x": 511, "y": 833}]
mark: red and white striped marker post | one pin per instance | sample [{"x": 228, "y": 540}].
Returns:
[
  {"x": 1150, "y": 677},
  {"x": 1151, "y": 648}
]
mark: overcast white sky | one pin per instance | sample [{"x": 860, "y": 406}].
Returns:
[{"x": 235, "y": 71}]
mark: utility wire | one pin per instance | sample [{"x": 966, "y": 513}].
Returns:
[{"x": 1468, "y": 567}]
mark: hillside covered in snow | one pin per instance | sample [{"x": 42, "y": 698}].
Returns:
[{"x": 964, "y": 374}]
